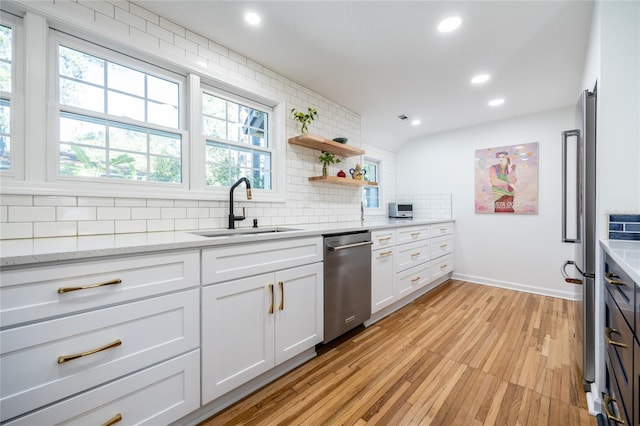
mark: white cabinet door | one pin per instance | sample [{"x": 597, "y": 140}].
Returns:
[
  {"x": 299, "y": 310},
  {"x": 237, "y": 333},
  {"x": 382, "y": 278}
]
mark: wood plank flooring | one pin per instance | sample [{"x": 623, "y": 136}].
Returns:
[{"x": 463, "y": 354}]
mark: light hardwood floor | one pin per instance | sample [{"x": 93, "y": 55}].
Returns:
[{"x": 463, "y": 354}]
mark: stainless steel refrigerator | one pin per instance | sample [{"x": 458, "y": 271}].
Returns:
[{"x": 579, "y": 224}]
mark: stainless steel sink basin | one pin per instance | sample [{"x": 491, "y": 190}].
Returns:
[{"x": 243, "y": 232}]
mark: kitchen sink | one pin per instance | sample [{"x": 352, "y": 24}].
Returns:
[{"x": 243, "y": 232}]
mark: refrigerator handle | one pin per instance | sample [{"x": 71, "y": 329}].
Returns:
[
  {"x": 566, "y": 276},
  {"x": 565, "y": 135}
]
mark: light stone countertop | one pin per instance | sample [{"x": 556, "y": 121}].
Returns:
[
  {"x": 626, "y": 254},
  {"x": 41, "y": 250}
]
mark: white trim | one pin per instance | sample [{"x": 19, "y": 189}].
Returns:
[{"x": 568, "y": 294}]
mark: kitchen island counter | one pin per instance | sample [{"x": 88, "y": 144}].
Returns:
[
  {"x": 41, "y": 250},
  {"x": 626, "y": 254}
]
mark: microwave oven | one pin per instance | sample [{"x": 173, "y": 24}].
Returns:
[{"x": 401, "y": 210}]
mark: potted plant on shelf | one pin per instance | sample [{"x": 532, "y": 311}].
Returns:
[
  {"x": 304, "y": 119},
  {"x": 327, "y": 158}
]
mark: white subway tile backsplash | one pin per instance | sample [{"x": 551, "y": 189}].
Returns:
[
  {"x": 10, "y": 231},
  {"x": 157, "y": 31},
  {"x": 160, "y": 203},
  {"x": 96, "y": 227},
  {"x": 160, "y": 225},
  {"x": 130, "y": 19},
  {"x": 130, "y": 226},
  {"x": 16, "y": 200},
  {"x": 114, "y": 213},
  {"x": 31, "y": 214},
  {"x": 54, "y": 229},
  {"x": 75, "y": 213},
  {"x": 50, "y": 200},
  {"x": 95, "y": 202},
  {"x": 173, "y": 213},
  {"x": 145, "y": 213},
  {"x": 4, "y": 217},
  {"x": 185, "y": 224},
  {"x": 144, "y": 14}
]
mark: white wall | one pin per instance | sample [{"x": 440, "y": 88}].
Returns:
[{"x": 522, "y": 252}]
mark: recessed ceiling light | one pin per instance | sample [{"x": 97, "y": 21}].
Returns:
[
  {"x": 415, "y": 122},
  {"x": 252, "y": 18},
  {"x": 496, "y": 102},
  {"x": 481, "y": 78},
  {"x": 449, "y": 24}
]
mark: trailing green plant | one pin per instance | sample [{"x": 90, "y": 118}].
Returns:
[
  {"x": 304, "y": 119},
  {"x": 327, "y": 158}
]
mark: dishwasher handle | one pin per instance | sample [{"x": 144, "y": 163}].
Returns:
[{"x": 348, "y": 246}]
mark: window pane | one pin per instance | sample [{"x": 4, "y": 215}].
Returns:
[
  {"x": 126, "y": 106},
  {"x": 125, "y": 80},
  {"x": 162, "y": 91},
  {"x": 214, "y": 127},
  {"x": 5, "y": 135},
  {"x": 81, "y": 95},
  {"x": 81, "y": 66},
  {"x": 6, "y": 39},
  {"x": 214, "y": 107},
  {"x": 5, "y": 77},
  {"x": 371, "y": 197},
  {"x": 125, "y": 151},
  {"x": 163, "y": 114}
]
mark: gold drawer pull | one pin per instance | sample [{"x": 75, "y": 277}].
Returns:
[
  {"x": 385, "y": 253},
  {"x": 384, "y": 239},
  {"x": 611, "y": 278},
  {"x": 64, "y": 358},
  {"x": 415, "y": 254},
  {"x": 443, "y": 229},
  {"x": 281, "y": 284},
  {"x": 444, "y": 246},
  {"x": 113, "y": 420},
  {"x": 607, "y": 401},
  {"x": 608, "y": 331},
  {"x": 416, "y": 279},
  {"x": 271, "y": 291},
  {"x": 443, "y": 267},
  {"x": 415, "y": 234},
  {"x": 84, "y": 287}
]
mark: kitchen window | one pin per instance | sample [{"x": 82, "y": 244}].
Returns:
[
  {"x": 237, "y": 141},
  {"x": 118, "y": 118},
  {"x": 9, "y": 26},
  {"x": 371, "y": 194}
]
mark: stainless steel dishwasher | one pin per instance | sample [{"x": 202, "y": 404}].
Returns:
[{"x": 347, "y": 282}]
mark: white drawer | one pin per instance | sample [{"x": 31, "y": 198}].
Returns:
[
  {"x": 411, "y": 254},
  {"x": 438, "y": 229},
  {"x": 441, "y": 246},
  {"x": 412, "y": 233},
  {"x": 412, "y": 279},
  {"x": 150, "y": 331},
  {"x": 383, "y": 238},
  {"x": 158, "y": 395},
  {"x": 244, "y": 260},
  {"x": 441, "y": 266},
  {"x": 33, "y": 293}
]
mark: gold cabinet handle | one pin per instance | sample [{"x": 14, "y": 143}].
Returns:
[
  {"x": 271, "y": 291},
  {"x": 608, "y": 331},
  {"x": 416, "y": 279},
  {"x": 442, "y": 267},
  {"x": 612, "y": 279},
  {"x": 443, "y": 229},
  {"x": 607, "y": 401},
  {"x": 84, "y": 287},
  {"x": 415, "y": 254},
  {"x": 64, "y": 358},
  {"x": 385, "y": 253},
  {"x": 415, "y": 234},
  {"x": 444, "y": 246},
  {"x": 384, "y": 239},
  {"x": 113, "y": 420},
  {"x": 281, "y": 284}
]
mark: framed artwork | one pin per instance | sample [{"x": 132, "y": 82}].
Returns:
[{"x": 507, "y": 179}]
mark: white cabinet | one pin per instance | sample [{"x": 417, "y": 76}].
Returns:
[
  {"x": 406, "y": 259},
  {"x": 251, "y": 324},
  {"x": 64, "y": 334}
]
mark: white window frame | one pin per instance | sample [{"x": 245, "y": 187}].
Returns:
[
  {"x": 380, "y": 209},
  {"x": 139, "y": 188},
  {"x": 16, "y": 96}
]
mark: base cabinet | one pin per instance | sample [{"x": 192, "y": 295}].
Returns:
[{"x": 252, "y": 324}]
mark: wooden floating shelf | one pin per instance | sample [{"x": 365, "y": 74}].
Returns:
[
  {"x": 342, "y": 181},
  {"x": 322, "y": 144}
]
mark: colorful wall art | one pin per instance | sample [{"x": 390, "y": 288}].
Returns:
[{"x": 507, "y": 179}]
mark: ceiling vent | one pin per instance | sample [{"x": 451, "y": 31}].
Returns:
[{"x": 402, "y": 117}]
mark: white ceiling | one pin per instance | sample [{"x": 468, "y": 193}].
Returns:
[{"x": 386, "y": 58}]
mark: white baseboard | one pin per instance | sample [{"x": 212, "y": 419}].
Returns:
[{"x": 569, "y": 294}]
